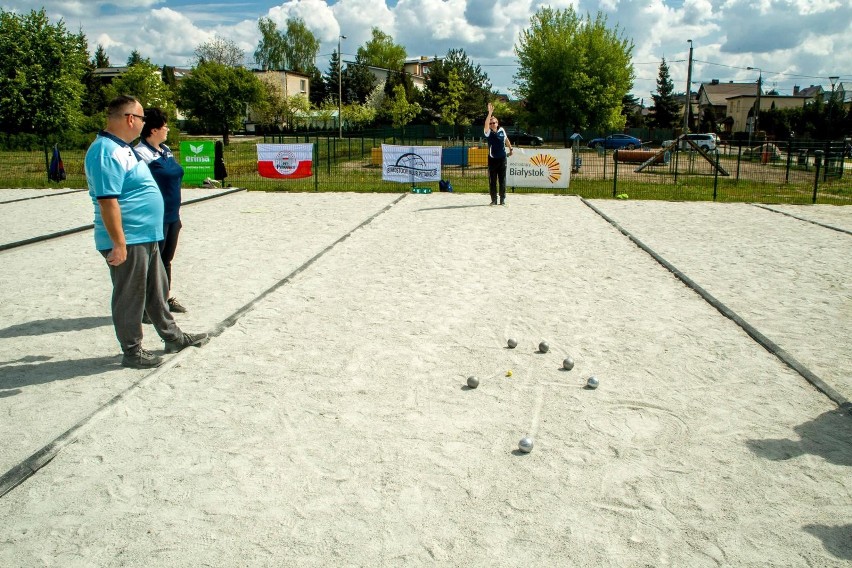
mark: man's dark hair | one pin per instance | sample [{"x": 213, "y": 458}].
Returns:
[
  {"x": 154, "y": 118},
  {"x": 118, "y": 106}
]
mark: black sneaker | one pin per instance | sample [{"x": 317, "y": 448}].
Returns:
[
  {"x": 141, "y": 359},
  {"x": 175, "y": 307},
  {"x": 493, "y": 203},
  {"x": 187, "y": 340}
]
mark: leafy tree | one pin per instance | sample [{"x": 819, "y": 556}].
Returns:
[
  {"x": 217, "y": 95},
  {"x": 449, "y": 99},
  {"x": 143, "y": 81},
  {"x": 573, "y": 71},
  {"x": 665, "y": 111},
  {"x": 708, "y": 121},
  {"x": 220, "y": 50},
  {"x": 381, "y": 51},
  {"x": 42, "y": 66},
  {"x": 270, "y": 49},
  {"x": 300, "y": 46},
  {"x": 401, "y": 111},
  {"x": 477, "y": 87},
  {"x": 358, "y": 116}
]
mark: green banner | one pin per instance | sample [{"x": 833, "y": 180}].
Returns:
[{"x": 197, "y": 159}]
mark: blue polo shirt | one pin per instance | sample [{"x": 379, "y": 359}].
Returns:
[{"x": 114, "y": 171}]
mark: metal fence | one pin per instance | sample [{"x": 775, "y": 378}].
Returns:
[{"x": 788, "y": 172}]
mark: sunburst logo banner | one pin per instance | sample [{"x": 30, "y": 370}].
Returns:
[{"x": 539, "y": 168}]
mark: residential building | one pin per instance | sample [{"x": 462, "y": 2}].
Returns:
[
  {"x": 713, "y": 96},
  {"x": 742, "y": 107}
]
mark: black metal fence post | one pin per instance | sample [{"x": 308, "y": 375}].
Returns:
[
  {"x": 716, "y": 177},
  {"x": 615, "y": 173},
  {"x": 817, "y": 163}
]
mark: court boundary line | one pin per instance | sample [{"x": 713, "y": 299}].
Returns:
[
  {"x": 28, "y": 467},
  {"x": 66, "y": 232},
  {"x": 832, "y": 227},
  {"x": 764, "y": 341},
  {"x": 41, "y": 196}
]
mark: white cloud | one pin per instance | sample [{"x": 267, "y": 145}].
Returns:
[{"x": 794, "y": 41}]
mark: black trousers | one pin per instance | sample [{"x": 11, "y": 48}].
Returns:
[
  {"x": 168, "y": 247},
  {"x": 497, "y": 174}
]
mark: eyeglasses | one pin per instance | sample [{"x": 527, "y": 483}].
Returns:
[{"x": 142, "y": 118}]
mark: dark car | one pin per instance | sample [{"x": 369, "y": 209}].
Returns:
[
  {"x": 521, "y": 138},
  {"x": 616, "y": 142}
]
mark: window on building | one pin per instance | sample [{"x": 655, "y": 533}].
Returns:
[{"x": 303, "y": 85}]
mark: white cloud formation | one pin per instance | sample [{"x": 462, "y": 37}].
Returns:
[{"x": 794, "y": 41}]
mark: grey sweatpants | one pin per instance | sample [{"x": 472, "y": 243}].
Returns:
[{"x": 137, "y": 283}]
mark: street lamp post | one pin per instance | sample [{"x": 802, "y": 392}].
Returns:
[
  {"x": 759, "y": 89},
  {"x": 688, "y": 91},
  {"x": 339, "y": 87},
  {"x": 833, "y": 80}
]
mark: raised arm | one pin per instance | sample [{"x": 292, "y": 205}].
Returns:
[{"x": 488, "y": 118}]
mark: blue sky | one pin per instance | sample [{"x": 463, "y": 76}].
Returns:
[{"x": 794, "y": 42}]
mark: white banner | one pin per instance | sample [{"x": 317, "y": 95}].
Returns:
[
  {"x": 411, "y": 164},
  {"x": 528, "y": 167}
]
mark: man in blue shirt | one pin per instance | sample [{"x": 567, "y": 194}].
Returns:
[
  {"x": 497, "y": 142},
  {"x": 128, "y": 209}
]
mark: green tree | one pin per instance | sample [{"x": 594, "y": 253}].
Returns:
[
  {"x": 358, "y": 116},
  {"x": 449, "y": 99},
  {"x": 573, "y": 71},
  {"x": 217, "y": 96},
  {"x": 143, "y": 81},
  {"x": 632, "y": 112},
  {"x": 42, "y": 67},
  {"x": 381, "y": 51},
  {"x": 319, "y": 89},
  {"x": 300, "y": 46},
  {"x": 334, "y": 73},
  {"x": 401, "y": 111},
  {"x": 665, "y": 111},
  {"x": 220, "y": 50},
  {"x": 101, "y": 58},
  {"x": 135, "y": 57},
  {"x": 270, "y": 49},
  {"x": 476, "y": 93},
  {"x": 358, "y": 84}
]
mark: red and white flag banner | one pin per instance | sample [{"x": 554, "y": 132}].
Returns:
[{"x": 285, "y": 161}]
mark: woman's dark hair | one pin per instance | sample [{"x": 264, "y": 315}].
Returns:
[{"x": 154, "y": 118}]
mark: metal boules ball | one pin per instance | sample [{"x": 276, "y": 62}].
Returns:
[
  {"x": 512, "y": 343},
  {"x": 472, "y": 382},
  {"x": 543, "y": 347},
  {"x": 592, "y": 383},
  {"x": 526, "y": 444},
  {"x": 568, "y": 363}
]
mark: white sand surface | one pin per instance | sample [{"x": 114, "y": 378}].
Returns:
[
  {"x": 331, "y": 425},
  {"x": 788, "y": 278}
]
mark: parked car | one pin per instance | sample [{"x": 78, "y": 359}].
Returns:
[
  {"x": 521, "y": 138},
  {"x": 706, "y": 142},
  {"x": 616, "y": 142}
]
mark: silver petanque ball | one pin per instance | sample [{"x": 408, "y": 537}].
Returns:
[
  {"x": 592, "y": 383},
  {"x": 512, "y": 343},
  {"x": 472, "y": 382},
  {"x": 526, "y": 444},
  {"x": 543, "y": 347},
  {"x": 568, "y": 363}
]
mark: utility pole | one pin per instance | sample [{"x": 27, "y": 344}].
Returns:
[
  {"x": 339, "y": 88},
  {"x": 688, "y": 91}
]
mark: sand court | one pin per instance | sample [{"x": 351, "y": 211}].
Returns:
[{"x": 331, "y": 424}]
